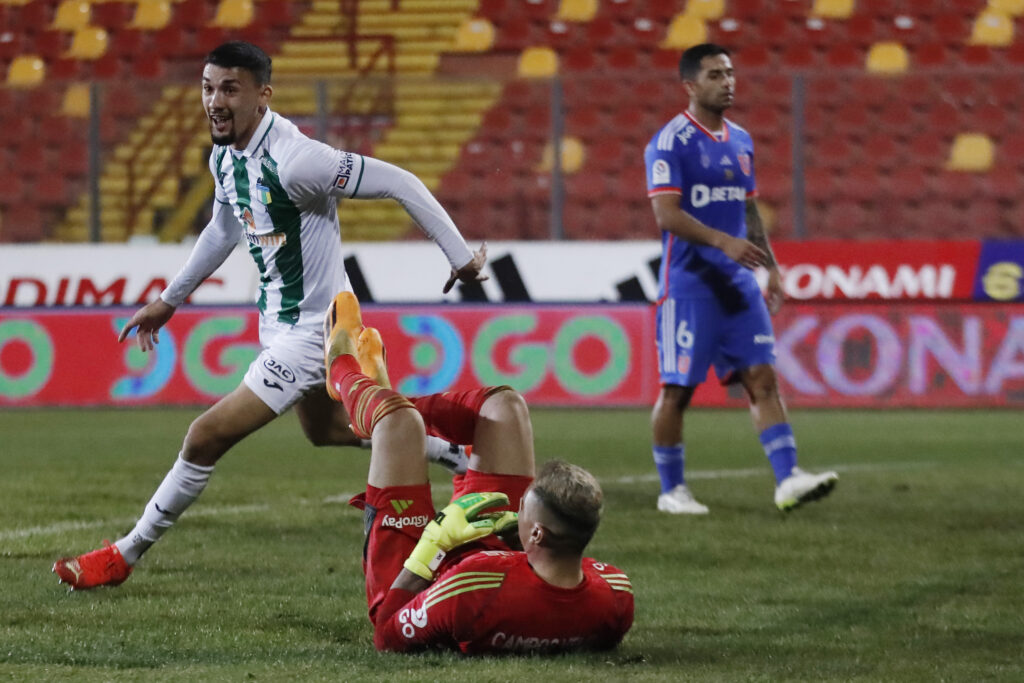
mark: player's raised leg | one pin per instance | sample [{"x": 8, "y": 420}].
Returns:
[{"x": 793, "y": 486}]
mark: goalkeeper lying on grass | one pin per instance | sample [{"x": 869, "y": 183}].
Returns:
[{"x": 453, "y": 580}]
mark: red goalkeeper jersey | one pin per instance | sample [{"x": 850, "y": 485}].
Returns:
[{"x": 491, "y": 602}]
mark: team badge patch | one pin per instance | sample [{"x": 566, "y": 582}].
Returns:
[
  {"x": 660, "y": 174},
  {"x": 262, "y": 192},
  {"x": 744, "y": 160}
]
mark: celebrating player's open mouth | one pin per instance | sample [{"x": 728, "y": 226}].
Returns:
[{"x": 220, "y": 125}]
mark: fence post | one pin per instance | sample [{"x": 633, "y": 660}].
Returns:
[
  {"x": 797, "y": 147},
  {"x": 556, "y": 228}
]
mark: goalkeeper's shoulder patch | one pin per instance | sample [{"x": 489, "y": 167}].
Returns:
[{"x": 460, "y": 583}]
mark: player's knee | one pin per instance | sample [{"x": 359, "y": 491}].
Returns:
[
  {"x": 504, "y": 405},
  {"x": 204, "y": 443},
  {"x": 763, "y": 387},
  {"x": 331, "y": 435},
  {"x": 674, "y": 398}
]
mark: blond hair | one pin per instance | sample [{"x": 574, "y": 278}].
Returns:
[{"x": 573, "y": 498}]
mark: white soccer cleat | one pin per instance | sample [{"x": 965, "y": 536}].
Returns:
[
  {"x": 802, "y": 487},
  {"x": 679, "y": 501}
]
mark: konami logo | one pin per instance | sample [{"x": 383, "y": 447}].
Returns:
[{"x": 811, "y": 281}]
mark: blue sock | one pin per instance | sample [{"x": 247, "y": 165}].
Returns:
[
  {"x": 780, "y": 447},
  {"x": 669, "y": 461}
]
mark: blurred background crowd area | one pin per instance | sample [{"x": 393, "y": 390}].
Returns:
[{"x": 527, "y": 118}]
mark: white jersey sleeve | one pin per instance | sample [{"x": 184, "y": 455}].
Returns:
[
  {"x": 212, "y": 248},
  {"x": 315, "y": 170},
  {"x": 381, "y": 180}
]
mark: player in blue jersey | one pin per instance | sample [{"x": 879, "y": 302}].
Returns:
[{"x": 700, "y": 178}]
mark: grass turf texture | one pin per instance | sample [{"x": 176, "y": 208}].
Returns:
[{"x": 910, "y": 571}]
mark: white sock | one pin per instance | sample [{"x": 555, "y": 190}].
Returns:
[
  {"x": 451, "y": 456},
  {"x": 179, "y": 489}
]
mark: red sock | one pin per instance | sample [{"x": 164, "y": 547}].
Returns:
[
  {"x": 366, "y": 401},
  {"x": 452, "y": 415}
]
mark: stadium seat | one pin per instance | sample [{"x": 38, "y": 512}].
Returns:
[
  {"x": 71, "y": 15},
  {"x": 76, "y": 101},
  {"x": 931, "y": 54},
  {"x": 537, "y": 62},
  {"x": 685, "y": 31},
  {"x": 112, "y": 16},
  {"x": 151, "y": 15},
  {"x": 832, "y": 9},
  {"x": 705, "y": 9},
  {"x": 233, "y": 14},
  {"x": 992, "y": 28},
  {"x": 977, "y": 55},
  {"x": 474, "y": 35},
  {"x": 88, "y": 43},
  {"x": 26, "y": 71},
  {"x": 887, "y": 58},
  {"x": 844, "y": 56},
  {"x": 573, "y": 156},
  {"x": 973, "y": 152},
  {"x": 798, "y": 56},
  {"x": 576, "y": 10},
  {"x": 1013, "y": 8}
]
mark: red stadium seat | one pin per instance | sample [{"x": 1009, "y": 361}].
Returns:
[
  {"x": 113, "y": 16},
  {"x": 844, "y": 56},
  {"x": 540, "y": 9},
  {"x": 515, "y": 34},
  {"x": 584, "y": 122},
  {"x": 977, "y": 55},
  {"x": 490, "y": 9},
  {"x": 622, "y": 58},
  {"x": 930, "y": 54},
  {"x": 862, "y": 30},
  {"x": 107, "y": 67},
  {"x": 798, "y": 55},
  {"x": 11, "y": 189},
  {"x": 579, "y": 59},
  {"x": 23, "y": 223}
]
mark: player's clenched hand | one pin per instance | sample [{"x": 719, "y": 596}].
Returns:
[
  {"x": 471, "y": 271},
  {"x": 457, "y": 524},
  {"x": 745, "y": 253},
  {"x": 149, "y": 319}
]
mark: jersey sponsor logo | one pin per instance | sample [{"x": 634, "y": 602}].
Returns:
[
  {"x": 248, "y": 219},
  {"x": 402, "y": 522},
  {"x": 279, "y": 370},
  {"x": 267, "y": 162},
  {"x": 274, "y": 239},
  {"x": 411, "y": 619},
  {"x": 744, "y": 160},
  {"x": 345, "y": 167},
  {"x": 702, "y": 195},
  {"x": 513, "y": 642},
  {"x": 660, "y": 173}
]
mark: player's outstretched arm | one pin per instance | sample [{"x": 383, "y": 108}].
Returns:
[{"x": 149, "y": 319}]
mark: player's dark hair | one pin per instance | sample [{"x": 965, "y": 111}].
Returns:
[
  {"x": 574, "y": 499},
  {"x": 689, "y": 63},
  {"x": 238, "y": 53}
]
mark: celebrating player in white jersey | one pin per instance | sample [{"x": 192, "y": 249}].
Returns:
[{"x": 278, "y": 189}]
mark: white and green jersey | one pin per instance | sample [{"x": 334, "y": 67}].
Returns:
[{"x": 280, "y": 194}]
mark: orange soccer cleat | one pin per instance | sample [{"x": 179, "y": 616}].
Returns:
[{"x": 103, "y": 567}]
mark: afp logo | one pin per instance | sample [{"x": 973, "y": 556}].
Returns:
[{"x": 279, "y": 370}]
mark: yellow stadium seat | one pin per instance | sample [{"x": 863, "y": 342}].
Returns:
[
  {"x": 705, "y": 9},
  {"x": 572, "y": 156},
  {"x": 233, "y": 14},
  {"x": 538, "y": 62},
  {"x": 887, "y": 58},
  {"x": 971, "y": 152},
  {"x": 685, "y": 31},
  {"x": 1014, "y": 8},
  {"x": 832, "y": 9},
  {"x": 72, "y": 15},
  {"x": 151, "y": 15},
  {"x": 992, "y": 28},
  {"x": 474, "y": 35},
  {"x": 76, "y": 101},
  {"x": 88, "y": 43},
  {"x": 26, "y": 71},
  {"x": 577, "y": 10}
]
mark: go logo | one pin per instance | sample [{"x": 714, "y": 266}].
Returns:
[{"x": 33, "y": 336}]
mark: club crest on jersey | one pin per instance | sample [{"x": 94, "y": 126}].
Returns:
[
  {"x": 744, "y": 160},
  {"x": 262, "y": 192}
]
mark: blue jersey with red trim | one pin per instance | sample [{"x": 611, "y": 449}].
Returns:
[{"x": 713, "y": 174}]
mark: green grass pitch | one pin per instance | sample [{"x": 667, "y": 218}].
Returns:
[{"x": 911, "y": 571}]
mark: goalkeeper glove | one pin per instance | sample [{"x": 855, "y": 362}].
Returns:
[{"x": 457, "y": 524}]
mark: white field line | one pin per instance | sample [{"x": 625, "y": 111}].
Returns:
[{"x": 342, "y": 498}]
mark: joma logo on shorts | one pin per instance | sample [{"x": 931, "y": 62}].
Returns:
[
  {"x": 402, "y": 522},
  {"x": 279, "y": 370}
]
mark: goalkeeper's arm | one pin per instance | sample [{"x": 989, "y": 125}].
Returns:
[{"x": 461, "y": 522}]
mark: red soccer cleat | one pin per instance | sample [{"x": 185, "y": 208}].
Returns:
[{"x": 103, "y": 567}]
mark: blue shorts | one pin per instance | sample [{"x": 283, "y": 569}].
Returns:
[{"x": 694, "y": 333}]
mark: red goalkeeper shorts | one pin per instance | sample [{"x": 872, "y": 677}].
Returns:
[{"x": 394, "y": 518}]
